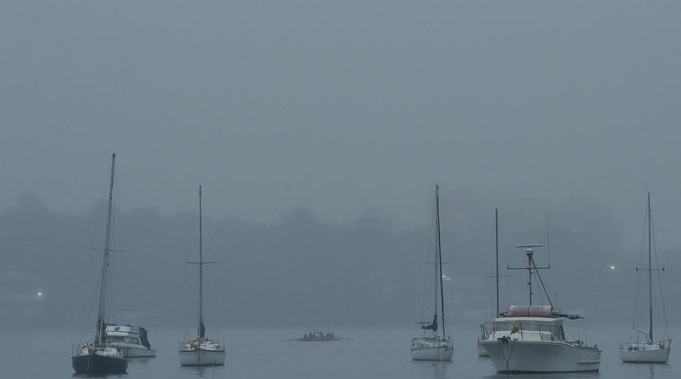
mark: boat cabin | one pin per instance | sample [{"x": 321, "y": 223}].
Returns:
[
  {"x": 528, "y": 328},
  {"x": 127, "y": 334},
  {"x": 530, "y": 323}
]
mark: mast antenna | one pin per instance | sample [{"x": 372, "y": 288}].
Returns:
[{"x": 532, "y": 266}]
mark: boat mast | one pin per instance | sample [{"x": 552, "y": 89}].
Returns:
[
  {"x": 201, "y": 329},
  {"x": 439, "y": 254},
  {"x": 650, "y": 272},
  {"x": 496, "y": 239},
  {"x": 201, "y": 262},
  {"x": 101, "y": 324}
]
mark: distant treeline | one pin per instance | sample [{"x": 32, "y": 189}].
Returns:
[{"x": 301, "y": 271}]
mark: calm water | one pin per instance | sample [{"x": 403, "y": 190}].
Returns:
[{"x": 377, "y": 353}]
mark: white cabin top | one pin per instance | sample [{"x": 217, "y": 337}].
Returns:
[
  {"x": 532, "y": 320},
  {"x": 121, "y": 330}
]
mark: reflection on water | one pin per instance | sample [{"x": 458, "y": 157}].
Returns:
[
  {"x": 74, "y": 375},
  {"x": 558, "y": 375},
  {"x": 381, "y": 353},
  {"x": 204, "y": 372},
  {"x": 439, "y": 369},
  {"x": 141, "y": 360},
  {"x": 648, "y": 370}
]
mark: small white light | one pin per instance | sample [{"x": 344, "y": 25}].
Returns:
[
  {"x": 612, "y": 267},
  {"x": 40, "y": 294}
]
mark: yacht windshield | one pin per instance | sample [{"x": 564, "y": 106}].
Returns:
[{"x": 122, "y": 339}]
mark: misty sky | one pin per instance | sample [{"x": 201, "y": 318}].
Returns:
[{"x": 342, "y": 106}]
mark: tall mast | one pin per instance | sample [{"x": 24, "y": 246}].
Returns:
[
  {"x": 101, "y": 324},
  {"x": 439, "y": 255},
  {"x": 201, "y": 325},
  {"x": 200, "y": 262},
  {"x": 650, "y": 271},
  {"x": 496, "y": 239}
]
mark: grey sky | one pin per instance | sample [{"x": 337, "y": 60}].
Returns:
[{"x": 342, "y": 106}]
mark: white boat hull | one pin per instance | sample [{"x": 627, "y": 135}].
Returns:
[
  {"x": 651, "y": 354},
  {"x": 441, "y": 353},
  {"x": 481, "y": 350},
  {"x": 542, "y": 356},
  {"x": 134, "y": 351},
  {"x": 201, "y": 358}
]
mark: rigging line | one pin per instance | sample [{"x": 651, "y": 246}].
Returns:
[
  {"x": 98, "y": 213},
  {"x": 112, "y": 263},
  {"x": 641, "y": 247},
  {"x": 186, "y": 287},
  {"x": 90, "y": 293},
  {"x": 664, "y": 308},
  {"x": 430, "y": 244},
  {"x": 542, "y": 283},
  {"x": 638, "y": 295},
  {"x": 215, "y": 305},
  {"x": 659, "y": 281},
  {"x": 424, "y": 287}
]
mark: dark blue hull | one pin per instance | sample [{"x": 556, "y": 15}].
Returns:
[{"x": 98, "y": 364}]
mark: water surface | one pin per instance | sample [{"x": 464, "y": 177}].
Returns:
[{"x": 256, "y": 353}]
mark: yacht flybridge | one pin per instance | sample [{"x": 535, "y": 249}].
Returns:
[
  {"x": 648, "y": 350},
  {"x": 531, "y": 338}
]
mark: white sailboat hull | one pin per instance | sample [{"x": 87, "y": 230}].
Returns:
[
  {"x": 428, "y": 349},
  {"x": 542, "y": 356},
  {"x": 441, "y": 353},
  {"x": 646, "y": 353},
  {"x": 201, "y": 358},
  {"x": 201, "y": 353}
]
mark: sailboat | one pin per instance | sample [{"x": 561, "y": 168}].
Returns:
[
  {"x": 432, "y": 346},
  {"x": 201, "y": 351},
  {"x": 99, "y": 357},
  {"x": 647, "y": 351}
]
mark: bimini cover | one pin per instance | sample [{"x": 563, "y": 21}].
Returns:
[{"x": 529, "y": 311}]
